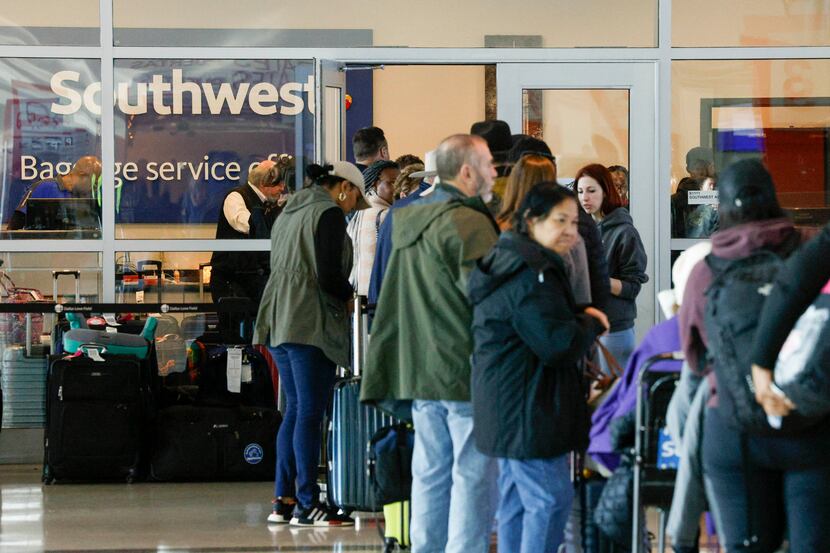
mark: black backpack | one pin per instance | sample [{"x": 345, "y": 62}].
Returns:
[{"x": 734, "y": 301}]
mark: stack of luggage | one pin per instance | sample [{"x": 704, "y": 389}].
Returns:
[{"x": 128, "y": 400}]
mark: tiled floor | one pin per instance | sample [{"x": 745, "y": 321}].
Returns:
[
  {"x": 150, "y": 518},
  {"x": 215, "y": 518}
]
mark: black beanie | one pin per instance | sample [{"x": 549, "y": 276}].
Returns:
[{"x": 746, "y": 183}]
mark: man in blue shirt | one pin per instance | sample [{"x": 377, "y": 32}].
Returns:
[{"x": 77, "y": 183}]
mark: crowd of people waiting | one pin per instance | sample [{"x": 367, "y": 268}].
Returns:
[{"x": 492, "y": 282}]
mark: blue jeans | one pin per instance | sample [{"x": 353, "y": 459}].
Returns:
[
  {"x": 453, "y": 484},
  {"x": 536, "y": 499},
  {"x": 621, "y": 344},
  {"x": 307, "y": 378}
]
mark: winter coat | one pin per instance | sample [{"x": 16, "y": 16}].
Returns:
[
  {"x": 421, "y": 341},
  {"x": 797, "y": 286},
  {"x": 626, "y": 262},
  {"x": 294, "y": 309},
  {"x": 732, "y": 243},
  {"x": 597, "y": 263},
  {"x": 528, "y": 399}
]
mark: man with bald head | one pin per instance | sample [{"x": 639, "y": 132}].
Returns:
[
  {"x": 436, "y": 242},
  {"x": 249, "y": 211},
  {"x": 77, "y": 183}
]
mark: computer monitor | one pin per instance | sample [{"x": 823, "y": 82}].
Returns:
[{"x": 62, "y": 214}]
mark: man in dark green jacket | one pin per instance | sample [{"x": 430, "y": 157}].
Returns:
[{"x": 421, "y": 346}]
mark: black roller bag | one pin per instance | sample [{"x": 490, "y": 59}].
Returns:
[
  {"x": 96, "y": 414},
  {"x": 206, "y": 433},
  {"x": 204, "y": 443}
]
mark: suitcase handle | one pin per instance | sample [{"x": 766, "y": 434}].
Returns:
[
  {"x": 202, "y": 280},
  {"x": 84, "y": 348},
  {"x": 66, "y": 272},
  {"x": 360, "y": 334}
]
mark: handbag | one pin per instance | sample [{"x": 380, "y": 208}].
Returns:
[{"x": 600, "y": 383}]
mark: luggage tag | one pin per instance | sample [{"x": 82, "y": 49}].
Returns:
[
  {"x": 234, "y": 370},
  {"x": 111, "y": 320},
  {"x": 246, "y": 369}
]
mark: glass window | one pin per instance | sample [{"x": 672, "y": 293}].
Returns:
[
  {"x": 581, "y": 127},
  {"x": 190, "y": 131},
  {"x": 466, "y": 24},
  {"x": 705, "y": 23},
  {"x": 49, "y": 23},
  {"x": 163, "y": 277},
  {"x": 25, "y": 338},
  {"x": 52, "y": 146},
  {"x": 724, "y": 111}
]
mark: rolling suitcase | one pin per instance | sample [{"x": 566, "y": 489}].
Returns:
[
  {"x": 23, "y": 383},
  {"x": 396, "y": 518},
  {"x": 205, "y": 443},
  {"x": 351, "y": 427},
  {"x": 390, "y": 473},
  {"x": 96, "y": 411}
]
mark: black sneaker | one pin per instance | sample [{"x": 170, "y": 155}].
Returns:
[
  {"x": 281, "y": 513},
  {"x": 320, "y": 515}
]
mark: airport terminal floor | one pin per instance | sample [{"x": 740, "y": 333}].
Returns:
[
  {"x": 196, "y": 517},
  {"x": 169, "y": 518}
]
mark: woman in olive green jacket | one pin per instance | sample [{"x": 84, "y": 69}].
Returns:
[{"x": 303, "y": 318}]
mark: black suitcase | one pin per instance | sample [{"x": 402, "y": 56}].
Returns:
[
  {"x": 96, "y": 414},
  {"x": 204, "y": 443},
  {"x": 593, "y": 540}
]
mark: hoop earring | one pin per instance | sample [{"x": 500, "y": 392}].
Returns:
[{"x": 342, "y": 196}]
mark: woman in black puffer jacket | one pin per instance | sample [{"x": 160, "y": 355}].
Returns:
[{"x": 528, "y": 405}]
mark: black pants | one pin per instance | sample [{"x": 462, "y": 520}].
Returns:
[
  {"x": 766, "y": 486},
  {"x": 236, "y": 285}
]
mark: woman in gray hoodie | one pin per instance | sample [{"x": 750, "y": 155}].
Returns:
[{"x": 625, "y": 254}]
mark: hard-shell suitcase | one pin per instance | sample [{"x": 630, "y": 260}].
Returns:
[
  {"x": 351, "y": 427},
  {"x": 96, "y": 416},
  {"x": 203, "y": 443},
  {"x": 396, "y": 518},
  {"x": 23, "y": 383}
]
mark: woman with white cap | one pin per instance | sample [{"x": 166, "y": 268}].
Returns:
[{"x": 303, "y": 318}]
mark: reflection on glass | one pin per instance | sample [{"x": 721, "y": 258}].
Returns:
[
  {"x": 581, "y": 127},
  {"x": 49, "y": 23},
  {"x": 162, "y": 277},
  {"x": 323, "y": 23},
  {"x": 725, "y": 111},
  {"x": 25, "y": 338},
  {"x": 189, "y": 131},
  {"x": 704, "y": 23},
  {"x": 50, "y": 169}
]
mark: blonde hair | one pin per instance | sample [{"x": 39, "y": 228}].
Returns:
[{"x": 528, "y": 172}]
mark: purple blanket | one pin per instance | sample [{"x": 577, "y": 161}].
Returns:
[{"x": 663, "y": 338}]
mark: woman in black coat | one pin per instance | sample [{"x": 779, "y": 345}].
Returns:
[{"x": 528, "y": 404}]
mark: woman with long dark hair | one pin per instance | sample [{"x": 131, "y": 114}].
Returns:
[{"x": 625, "y": 254}]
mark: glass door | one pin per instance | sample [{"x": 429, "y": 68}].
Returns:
[
  {"x": 598, "y": 113},
  {"x": 330, "y": 95}
]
